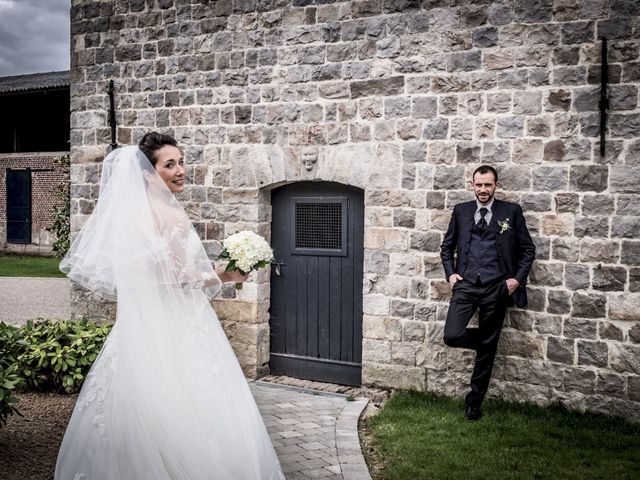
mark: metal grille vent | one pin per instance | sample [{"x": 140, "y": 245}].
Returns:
[{"x": 319, "y": 225}]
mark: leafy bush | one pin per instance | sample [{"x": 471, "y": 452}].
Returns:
[
  {"x": 58, "y": 355},
  {"x": 47, "y": 356},
  {"x": 61, "y": 211},
  {"x": 10, "y": 343}
]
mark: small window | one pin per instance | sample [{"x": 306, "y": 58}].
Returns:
[{"x": 319, "y": 226}]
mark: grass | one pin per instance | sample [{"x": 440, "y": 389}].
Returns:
[
  {"x": 420, "y": 436},
  {"x": 29, "y": 266}
]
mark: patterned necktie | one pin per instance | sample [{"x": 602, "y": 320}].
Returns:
[{"x": 482, "y": 224}]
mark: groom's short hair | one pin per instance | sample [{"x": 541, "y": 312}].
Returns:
[{"x": 482, "y": 169}]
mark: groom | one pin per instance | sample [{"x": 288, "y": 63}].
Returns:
[{"x": 493, "y": 255}]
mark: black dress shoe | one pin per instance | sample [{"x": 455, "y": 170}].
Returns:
[{"x": 473, "y": 413}]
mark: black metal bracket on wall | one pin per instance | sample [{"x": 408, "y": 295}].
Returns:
[
  {"x": 604, "y": 100},
  {"x": 112, "y": 116}
]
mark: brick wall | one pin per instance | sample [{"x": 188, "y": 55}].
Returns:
[
  {"x": 404, "y": 99},
  {"x": 45, "y": 176}
]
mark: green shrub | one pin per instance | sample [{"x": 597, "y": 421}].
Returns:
[
  {"x": 58, "y": 355},
  {"x": 10, "y": 344},
  {"x": 61, "y": 211}
]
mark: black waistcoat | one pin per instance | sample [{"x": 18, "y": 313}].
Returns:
[{"x": 483, "y": 266}]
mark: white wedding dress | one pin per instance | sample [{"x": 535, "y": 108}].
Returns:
[{"x": 166, "y": 398}]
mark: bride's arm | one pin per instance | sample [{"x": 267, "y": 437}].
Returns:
[{"x": 233, "y": 276}]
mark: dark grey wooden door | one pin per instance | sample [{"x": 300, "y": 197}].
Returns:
[
  {"x": 316, "y": 282},
  {"x": 18, "y": 206}
]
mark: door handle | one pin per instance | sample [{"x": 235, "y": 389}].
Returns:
[{"x": 278, "y": 267}]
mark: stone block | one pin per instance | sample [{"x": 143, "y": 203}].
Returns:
[
  {"x": 591, "y": 226},
  {"x": 633, "y": 387},
  {"x": 560, "y": 350},
  {"x": 586, "y": 99},
  {"x": 584, "y": 178},
  {"x": 550, "y": 178},
  {"x": 440, "y": 290},
  {"x": 634, "y": 279},
  {"x": 527, "y": 371},
  {"x": 599, "y": 251},
  {"x": 382, "y": 328},
  {"x": 554, "y": 151},
  {"x": 625, "y": 227},
  {"x": 376, "y": 262},
  {"x": 624, "y": 358},
  {"x": 519, "y": 344},
  {"x": 578, "y": 380},
  {"x": 536, "y": 202},
  {"x": 566, "y": 249},
  {"x": 404, "y": 353},
  {"x": 547, "y": 324},
  {"x": 561, "y": 225},
  {"x": 377, "y": 87},
  {"x": 630, "y": 253},
  {"x": 375, "y": 305},
  {"x": 376, "y": 351},
  {"x": 567, "y": 202},
  {"x": 545, "y": 273},
  {"x": 536, "y": 299},
  {"x": 402, "y": 308},
  {"x": 533, "y": 12},
  {"x": 543, "y": 245},
  {"x": 577, "y": 277},
  {"x": 624, "y": 125},
  {"x": 624, "y": 306},
  {"x": 510, "y": 126},
  {"x": 599, "y": 204},
  {"x": 588, "y": 306},
  {"x": 520, "y": 320},
  {"x": 609, "y": 278},
  {"x": 236, "y": 311},
  {"x": 529, "y": 151},
  {"x": 394, "y": 376},
  {"x": 610, "y": 331},
  {"x": 405, "y": 264},
  {"x": 634, "y": 333},
  {"x": 610, "y": 384},
  {"x": 628, "y": 204},
  {"x": 592, "y": 353},
  {"x": 559, "y": 302}
]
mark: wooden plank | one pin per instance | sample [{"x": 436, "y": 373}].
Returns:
[
  {"x": 301, "y": 305},
  {"x": 312, "y": 306},
  {"x": 346, "y": 337},
  {"x": 324, "y": 301},
  {"x": 335, "y": 307},
  {"x": 343, "y": 373}
]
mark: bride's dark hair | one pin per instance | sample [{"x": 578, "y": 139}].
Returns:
[{"x": 154, "y": 141}]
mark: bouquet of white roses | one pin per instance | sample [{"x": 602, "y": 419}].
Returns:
[{"x": 246, "y": 251}]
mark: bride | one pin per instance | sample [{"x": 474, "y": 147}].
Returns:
[{"x": 166, "y": 398}]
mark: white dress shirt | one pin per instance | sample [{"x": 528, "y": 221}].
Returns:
[{"x": 487, "y": 216}]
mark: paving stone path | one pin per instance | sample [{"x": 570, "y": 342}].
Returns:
[{"x": 315, "y": 434}]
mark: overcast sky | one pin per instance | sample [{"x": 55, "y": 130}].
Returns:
[{"x": 34, "y": 36}]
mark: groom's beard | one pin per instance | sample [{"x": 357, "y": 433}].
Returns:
[{"x": 486, "y": 199}]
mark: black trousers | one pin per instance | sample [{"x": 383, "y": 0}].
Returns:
[{"x": 491, "y": 301}]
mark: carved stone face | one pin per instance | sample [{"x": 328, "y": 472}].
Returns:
[{"x": 309, "y": 158}]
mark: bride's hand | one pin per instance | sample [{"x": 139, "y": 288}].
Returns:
[{"x": 232, "y": 276}]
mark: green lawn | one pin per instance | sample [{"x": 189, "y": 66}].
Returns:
[
  {"x": 29, "y": 266},
  {"x": 420, "y": 436}
]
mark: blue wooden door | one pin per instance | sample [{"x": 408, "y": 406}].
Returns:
[
  {"x": 316, "y": 282},
  {"x": 18, "y": 206}
]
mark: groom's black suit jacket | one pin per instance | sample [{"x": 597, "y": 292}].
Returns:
[{"x": 515, "y": 248}]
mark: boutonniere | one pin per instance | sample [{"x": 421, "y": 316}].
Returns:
[{"x": 504, "y": 225}]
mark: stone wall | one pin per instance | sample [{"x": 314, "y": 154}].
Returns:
[
  {"x": 403, "y": 98},
  {"x": 46, "y": 175}
]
